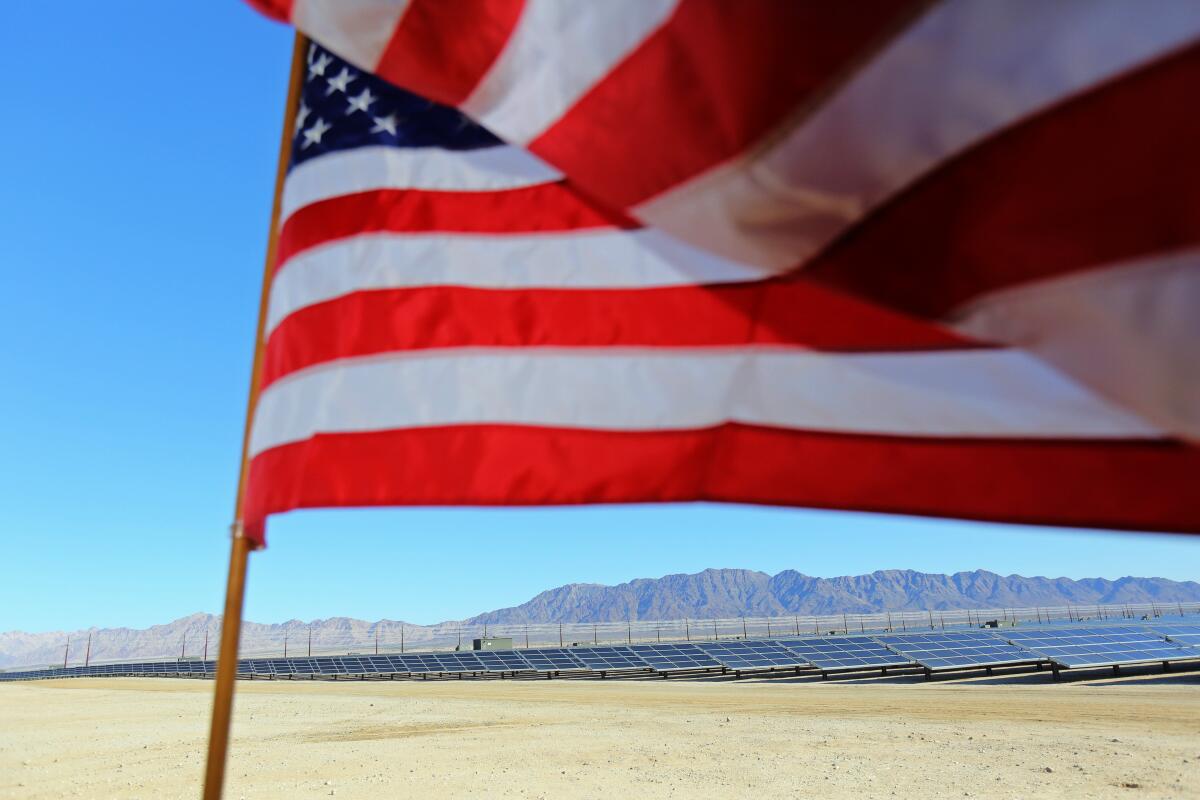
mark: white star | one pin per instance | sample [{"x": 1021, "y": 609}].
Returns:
[
  {"x": 361, "y": 102},
  {"x": 302, "y": 116},
  {"x": 318, "y": 67},
  {"x": 313, "y": 135},
  {"x": 387, "y": 123},
  {"x": 339, "y": 83}
]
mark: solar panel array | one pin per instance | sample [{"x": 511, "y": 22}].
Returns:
[
  {"x": 762, "y": 654},
  {"x": 1101, "y": 646},
  {"x": 501, "y": 661},
  {"x": 551, "y": 660},
  {"x": 1184, "y": 634},
  {"x": 958, "y": 650},
  {"x": 604, "y": 659},
  {"x": 1086, "y": 646},
  {"x": 845, "y": 653},
  {"x": 674, "y": 657},
  {"x": 426, "y": 663}
]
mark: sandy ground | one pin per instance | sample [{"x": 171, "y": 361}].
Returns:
[{"x": 1005, "y": 736}]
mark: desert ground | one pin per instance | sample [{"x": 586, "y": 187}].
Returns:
[{"x": 1008, "y": 736}]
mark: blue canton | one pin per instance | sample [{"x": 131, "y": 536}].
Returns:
[{"x": 342, "y": 107}]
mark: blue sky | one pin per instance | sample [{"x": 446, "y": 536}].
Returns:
[{"x": 138, "y": 151}]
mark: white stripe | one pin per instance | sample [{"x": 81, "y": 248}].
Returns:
[
  {"x": 607, "y": 259},
  {"x": 558, "y": 51},
  {"x": 366, "y": 169},
  {"x": 1131, "y": 332},
  {"x": 954, "y": 394},
  {"x": 356, "y": 30},
  {"x": 964, "y": 71}
]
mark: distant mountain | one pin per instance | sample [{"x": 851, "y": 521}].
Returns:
[
  {"x": 187, "y": 636},
  {"x": 733, "y": 592},
  {"x": 712, "y": 593}
]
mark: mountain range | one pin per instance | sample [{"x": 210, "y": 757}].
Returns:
[
  {"x": 713, "y": 593},
  {"x": 734, "y": 592}
]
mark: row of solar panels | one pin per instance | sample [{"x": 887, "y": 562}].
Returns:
[{"x": 1065, "y": 647}]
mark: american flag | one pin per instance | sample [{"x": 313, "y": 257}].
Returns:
[{"x": 939, "y": 259}]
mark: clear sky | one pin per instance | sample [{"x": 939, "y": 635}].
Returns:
[{"x": 138, "y": 149}]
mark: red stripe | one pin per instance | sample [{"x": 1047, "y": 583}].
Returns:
[
  {"x": 276, "y": 9},
  {"x": 790, "y": 313},
  {"x": 540, "y": 208},
  {"x": 1110, "y": 176},
  {"x": 441, "y": 50},
  {"x": 1146, "y": 486},
  {"x": 698, "y": 91}
]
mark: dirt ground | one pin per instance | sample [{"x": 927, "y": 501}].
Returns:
[{"x": 1015, "y": 736}]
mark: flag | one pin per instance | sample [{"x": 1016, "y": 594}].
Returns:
[{"x": 938, "y": 260}]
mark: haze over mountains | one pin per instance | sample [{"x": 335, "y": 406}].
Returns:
[{"x": 713, "y": 593}]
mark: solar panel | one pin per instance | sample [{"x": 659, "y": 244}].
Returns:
[
  {"x": 281, "y": 666},
  {"x": 374, "y": 665},
  {"x": 396, "y": 663},
  {"x": 1184, "y": 634},
  {"x": 502, "y": 661},
  {"x": 430, "y": 663},
  {"x": 414, "y": 662},
  {"x": 751, "y": 654},
  {"x": 958, "y": 649},
  {"x": 408, "y": 663},
  {"x": 434, "y": 663},
  {"x": 443, "y": 662},
  {"x": 1101, "y": 646},
  {"x": 600, "y": 659},
  {"x": 354, "y": 665},
  {"x": 328, "y": 665},
  {"x": 458, "y": 662},
  {"x": 845, "y": 652},
  {"x": 670, "y": 657},
  {"x": 552, "y": 660}
]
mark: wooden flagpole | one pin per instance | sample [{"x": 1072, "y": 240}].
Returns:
[{"x": 231, "y": 622}]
